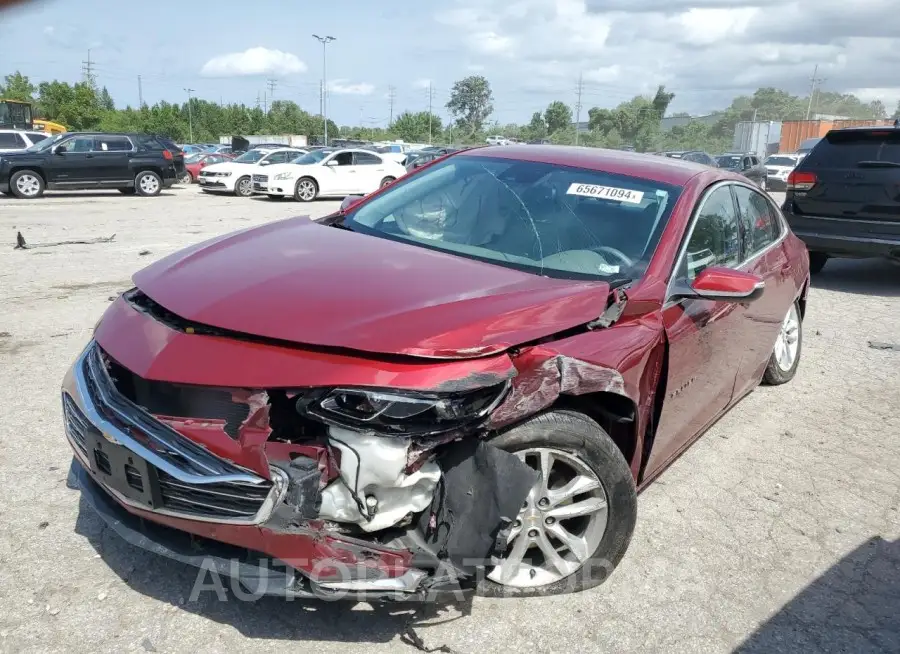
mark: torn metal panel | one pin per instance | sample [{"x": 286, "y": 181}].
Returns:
[{"x": 544, "y": 375}]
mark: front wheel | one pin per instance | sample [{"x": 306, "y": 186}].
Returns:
[
  {"x": 26, "y": 184},
  {"x": 785, "y": 357},
  {"x": 242, "y": 187},
  {"x": 147, "y": 183},
  {"x": 577, "y": 521},
  {"x": 306, "y": 189},
  {"x": 386, "y": 181},
  {"x": 186, "y": 178}
]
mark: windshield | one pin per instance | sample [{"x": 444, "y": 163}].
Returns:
[
  {"x": 542, "y": 218},
  {"x": 781, "y": 161},
  {"x": 729, "y": 161},
  {"x": 309, "y": 158},
  {"x": 250, "y": 157},
  {"x": 46, "y": 144}
]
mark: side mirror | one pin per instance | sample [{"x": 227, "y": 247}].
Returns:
[
  {"x": 722, "y": 285},
  {"x": 331, "y": 162},
  {"x": 265, "y": 163},
  {"x": 59, "y": 149},
  {"x": 349, "y": 201}
]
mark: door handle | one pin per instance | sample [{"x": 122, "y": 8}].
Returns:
[{"x": 89, "y": 156}]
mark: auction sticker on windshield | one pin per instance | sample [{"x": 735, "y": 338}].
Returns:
[{"x": 606, "y": 192}]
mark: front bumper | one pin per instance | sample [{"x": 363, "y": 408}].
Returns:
[
  {"x": 216, "y": 183},
  {"x": 283, "y": 187},
  {"x": 142, "y": 469}
]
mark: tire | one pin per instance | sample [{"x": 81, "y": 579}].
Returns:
[
  {"x": 817, "y": 261},
  {"x": 306, "y": 189},
  {"x": 147, "y": 184},
  {"x": 777, "y": 373},
  {"x": 387, "y": 180},
  {"x": 242, "y": 187},
  {"x": 26, "y": 184},
  {"x": 186, "y": 178},
  {"x": 574, "y": 436}
]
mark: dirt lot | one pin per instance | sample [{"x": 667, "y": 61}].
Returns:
[{"x": 779, "y": 531}]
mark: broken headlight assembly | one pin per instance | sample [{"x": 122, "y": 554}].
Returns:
[{"x": 404, "y": 412}]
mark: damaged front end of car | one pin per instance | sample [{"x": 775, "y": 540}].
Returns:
[{"x": 379, "y": 481}]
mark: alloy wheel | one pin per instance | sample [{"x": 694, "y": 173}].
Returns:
[
  {"x": 306, "y": 190},
  {"x": 788, "y": 342},
  {"x": 28, "y": 185},
  {"x": 149, "y": 184},
  {"x": 561, "y": 524}
]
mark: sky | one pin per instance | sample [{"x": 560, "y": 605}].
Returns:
[{"x": 531, "y": 51}]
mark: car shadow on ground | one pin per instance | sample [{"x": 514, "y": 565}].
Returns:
[
  {"x": 853, "y": 607},
  {"x": 97, "y": 194},
  {"x": 877, "y": 277},
  {"x": 275, "y": 618}
]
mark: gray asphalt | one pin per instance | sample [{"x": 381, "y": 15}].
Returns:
[{"x": 778, "y": 531}]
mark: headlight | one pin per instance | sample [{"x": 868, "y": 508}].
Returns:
[
  {"x": 281, "y": 176},
  {"x": 406, "y": 412}
]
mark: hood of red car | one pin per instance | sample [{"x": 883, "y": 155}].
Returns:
[{"x": 311, "y": 284}]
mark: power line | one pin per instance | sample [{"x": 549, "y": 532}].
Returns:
[{"x": 580, "y": 89}]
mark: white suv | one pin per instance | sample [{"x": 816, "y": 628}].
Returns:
[
  {"x": 497, "y": 140},
  {"x": 17, "y": 139}
]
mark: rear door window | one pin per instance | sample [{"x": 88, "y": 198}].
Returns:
[
  {"x": 108, "y": 143},
  {"x": 759, "y": 222},
  {"x": 11, "y": 141}
]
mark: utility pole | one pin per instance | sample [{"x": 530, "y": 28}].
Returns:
[
  {"x": 265, "y": 104},
  {"x": 257, "y": 100},
  {"x": 190, "y": 116},
  {"x": 814, "y": 82},
  {"x": 430, "y": 98},
  {"x": 324, "y": 40},
  {"x": 580, "y": 90},
  {"x": 392, "y": 95},
  {"x": 140, "y": 93},
  {"x": 87, "y": 67},
  {"x": 271, "y": 84}
]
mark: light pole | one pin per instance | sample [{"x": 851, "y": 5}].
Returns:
[
  {"x": 190, "y": 117},
  {"x": 324, "y": 40}
]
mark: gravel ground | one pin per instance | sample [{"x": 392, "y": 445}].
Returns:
[{"x": 778, "y": 531}]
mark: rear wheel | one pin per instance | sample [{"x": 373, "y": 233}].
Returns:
[
  {"x": 242, "y": 187},
  {"x": 386, "y": 181},
  {"x": 786, "y": 355},
  {"x": 578, "y": 519},
  {"x": 26, "y": 184},
  {"x": 147, "y": 183},
  {"x": 186, "y": 178},
  {"x": 306, "y": 189},
  {"x": 817, "y": 261}
]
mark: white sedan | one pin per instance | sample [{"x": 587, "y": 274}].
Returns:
[
  {"x": 327, "y": 173},
  {"x": 234, "y": 176}
]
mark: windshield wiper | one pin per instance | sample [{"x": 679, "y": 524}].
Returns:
[{"x": 878, "y": 164}]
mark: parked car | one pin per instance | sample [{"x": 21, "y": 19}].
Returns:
[
  {"x": 74, "y": 161},
  {"x": 745, "y": 163},
  {"x": 419, "y": 159},
  {"x": 697, "y": 156},
  {"x": 497, "y": 140},
  {"x": 842, "y": 198},
  {"x": 189, "y": 149},
  {"x": 12, "y": 140},
  {"x": 323, "y": 173},
  {"x": 176, "y": 152},
  {"x": 234, "y": 176},
  {"x": 472, "y": 370},
  {"x": 197, "y": 162},
  {"x": 778, "y": 167}
]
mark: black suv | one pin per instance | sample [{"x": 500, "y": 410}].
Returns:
[
  {"x": 843, "y": 198},
  {"x": 131, "y": 163}
]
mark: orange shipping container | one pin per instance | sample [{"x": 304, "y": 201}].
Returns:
[{"x": 794, "y": 132}]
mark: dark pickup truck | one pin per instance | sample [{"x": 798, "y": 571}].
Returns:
[{"x": 132, "y": 163}]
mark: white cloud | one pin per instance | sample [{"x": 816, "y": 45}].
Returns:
[
  {"x": 343, "y": 87},
  {"x": 49, "y": 30},
  {"x": 705, "y": 51},
  {"x": 422, "y": 83},
  {"x": 253, "y": 61}
]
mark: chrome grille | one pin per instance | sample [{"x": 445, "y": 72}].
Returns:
[
  {"x": 188, "y": 479},
  {"x": 260, "y": 178}
]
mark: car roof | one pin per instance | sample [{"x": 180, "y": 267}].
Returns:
[{"x": 634, "y": 164}]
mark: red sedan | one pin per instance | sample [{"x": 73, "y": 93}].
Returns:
[
  {"x": 460, "y": 381},
  {"x": 197, "y": 162}
]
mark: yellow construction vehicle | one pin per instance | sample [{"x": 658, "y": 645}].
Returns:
[{"x": 16, "y": 114}]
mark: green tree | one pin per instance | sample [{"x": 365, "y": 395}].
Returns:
[
  {"x": 106, "y": 101},
  {"x": 537, "y": 128},
  {"x": 17, "y": 87},
  {"x": 414, "y": 127},
  {"x": 471, "y": 103},
  {"x": 558, "y": 116},
  {"x": 896, "y": 111}
]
